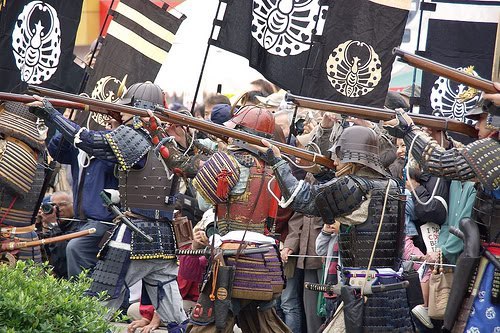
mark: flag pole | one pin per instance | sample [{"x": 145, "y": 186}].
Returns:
[
  {"x": 292, "y": 123},
  {"x": 414, "y": 78},
  {"x": 197, "y": 90},
  {"x": 94, "y": 51}
]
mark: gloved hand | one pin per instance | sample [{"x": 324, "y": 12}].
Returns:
[
  {"x": 271, "y": 155},
  {"x": 399, "y": 126},
  {"x": 42, "y": 108}
]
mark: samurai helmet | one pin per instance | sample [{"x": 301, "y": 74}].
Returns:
[
  {"x": 254, "y": 120},
  {"x": 359, "y": 144},
  {"x": 144, "y": 95}
]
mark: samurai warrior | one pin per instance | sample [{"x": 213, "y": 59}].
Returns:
[
  {"x": 480, "y": 161},
  {"x": 368, "y": 206},
  {"x": 22, "y": 174},
  {"x": 147, "y": 188}
]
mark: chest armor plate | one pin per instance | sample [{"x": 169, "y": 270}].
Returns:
[
  {"x": 356, "y": 242},
  {"x": 486, "y": 212},
  {"x": 147, "y": 188},
  {"x": 250, "y": 209}
]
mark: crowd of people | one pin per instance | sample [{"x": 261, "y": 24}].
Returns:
[{"x": 233, "y": 235}]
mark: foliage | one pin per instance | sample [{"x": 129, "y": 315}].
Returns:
[{"x": 32, "y": 300}]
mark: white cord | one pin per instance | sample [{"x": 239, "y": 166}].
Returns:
[
  {"x": 83, "y": 158},
  {"x": 282, "y": 202}
]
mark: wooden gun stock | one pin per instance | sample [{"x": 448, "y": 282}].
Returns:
[
  {"x": 445, "y": 71},
  {"x": 10, "y": 246},
  {"x": 370, "y": 113}
]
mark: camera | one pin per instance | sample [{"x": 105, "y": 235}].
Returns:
[{"x": 48, "y": 207}]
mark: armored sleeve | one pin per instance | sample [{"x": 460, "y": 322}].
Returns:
[
  {"x": 437, "y": 161},
  {"x": 91, "y": 142},
  {"x": 336, "y": 197}
]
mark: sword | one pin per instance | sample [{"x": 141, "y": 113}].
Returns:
[
  {"x": 226, "y": 253},
  {"x": 107, "y": 201},
  {"x": 369, "y": 289}
]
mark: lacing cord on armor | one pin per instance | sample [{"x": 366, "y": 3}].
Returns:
[
  {"x": 432, "y": 197},
  {"x": 376, "y": 237},
  {"x": 83, "y": 158},
  {"x": 282, "y": 202}
]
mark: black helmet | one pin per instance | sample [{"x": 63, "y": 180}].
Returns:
[
  {"x": 359, "y": 144},
  {"x": 144, "y": 95}
]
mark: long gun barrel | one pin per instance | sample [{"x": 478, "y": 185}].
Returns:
[
  {"x": 371, "y": 113},
  {"x": 445, "y": 71},
  {"x": 10, "y": 246},
  {"x": 166, "y": 115}
]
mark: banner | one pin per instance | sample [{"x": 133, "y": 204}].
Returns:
[
  {"x": 275, "y": 36},
  {"x": 136, "y": 45},
  {"x": 37, "y": 39},
  {"x": 468, "y": 46},
  {"x": 340, "y": 52}
]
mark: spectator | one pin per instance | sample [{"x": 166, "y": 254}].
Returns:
[
  {"x": 57, "y": 219},
  {"x": 213, "y": 100}
]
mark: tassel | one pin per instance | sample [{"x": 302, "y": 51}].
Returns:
[
  {"x": 223, "y": 184},
  {"x": 164, "y": 152}
]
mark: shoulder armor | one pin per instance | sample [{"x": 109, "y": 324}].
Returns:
[
  {"x": 129, "y": 145},
  {"x": 340, "y": 196},
  {"x": 221, "y": 168}
]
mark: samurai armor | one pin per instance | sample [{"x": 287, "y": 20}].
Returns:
[
  {"x": 203, "y": 312},
  {"x": 223, "y": 288},
  {"x": 209, "y": 176},
  {"x": 109, "y": 273},
  {"x": 129, "y": 145},
  {"x": 250, "y": 209},
  {"x": 356, "y": 242},
  {"x": 387, "y": 311},
  {"x": 353, "y": 310},
  {"x": 163, "y": 245},
  {"x": 18, "y": 211},
  {"x": 483, "y": 156},
  {"x": 183, "y": 230},
  {"x": 486, "y": 213},
  {"x": 16, "y": 121},
  {"x": 258, "y": 276},
  {"x": 18, "y": 165},
  {"x": 148, "y": 188}
]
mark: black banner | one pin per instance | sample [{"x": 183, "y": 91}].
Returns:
[
  {"x": 469, "y": 46},
  {"x": 37, "y": 39},
  {"x": 340, "y": 52},
  {"x": 356, "y": 60},
  {"x": 136, "y": 45},
  {"x": 276, "y": 40}
]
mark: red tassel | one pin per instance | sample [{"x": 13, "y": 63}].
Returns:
[
  {"x": 164, "y": 152},
  {"x": 154, "y": 125},
  {"x": 155, "y": 140},
  {"x": 223, "y": 184}
]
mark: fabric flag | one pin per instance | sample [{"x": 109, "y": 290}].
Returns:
[
  {"x": 339, "y": 52},
  {"x": 467, "y": 46},
  {"x": 37, "y": 39},
  {"x": 356, "y": 60},
  {"x": 276, "y": 36},
  {"x": 136, "y": 45}
]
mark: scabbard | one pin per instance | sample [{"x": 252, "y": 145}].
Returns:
[
  {"x": 227, "y": 253},
  {"x": 336, "y": 288}
]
